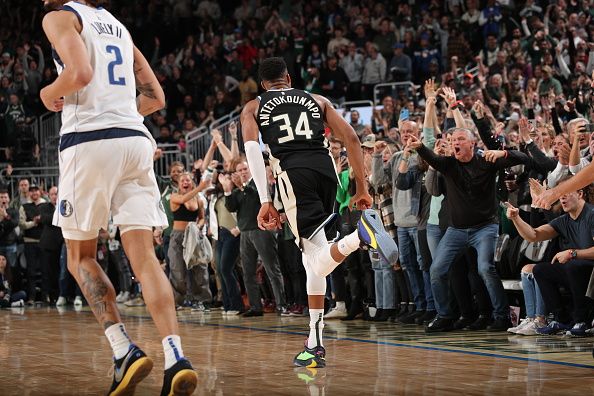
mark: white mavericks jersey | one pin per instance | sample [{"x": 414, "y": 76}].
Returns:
[{"x": 109, "y": 101}]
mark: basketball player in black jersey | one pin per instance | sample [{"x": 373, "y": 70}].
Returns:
[{"x": 292, "y": 123}]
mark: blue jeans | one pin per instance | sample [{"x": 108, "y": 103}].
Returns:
[
  {"x": 227, "y": 250},
  {"x": 410, "y": 260},
  {"x": 455, "y": 240},
  {"x": 534, "y": 303},
  {"x": 384, "y": 283},
  {"x": 434, "y": 235}
]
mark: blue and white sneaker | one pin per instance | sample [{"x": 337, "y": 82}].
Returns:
[
  {"x": 373, "y": 235},
  {"x": 129, "y": 371},
  {"x": 553, "y": 328},
  {"x": 578, "y": 330}
]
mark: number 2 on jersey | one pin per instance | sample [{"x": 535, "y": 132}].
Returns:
[
  {"x": 302, "y": 127},
  {"x": 112, "y": 49}
]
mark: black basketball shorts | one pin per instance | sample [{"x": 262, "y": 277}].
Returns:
[{"x": 309, "y": 200}]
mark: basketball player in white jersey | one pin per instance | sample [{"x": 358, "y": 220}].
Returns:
[{"x": 106, "y": 167}]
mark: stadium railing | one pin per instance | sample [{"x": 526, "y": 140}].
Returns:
[{"x": 393, "y": 89}]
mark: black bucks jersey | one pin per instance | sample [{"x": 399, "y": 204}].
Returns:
[{"x": 291, "y": 123}]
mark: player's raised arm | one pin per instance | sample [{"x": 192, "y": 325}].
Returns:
[
  {"x": 152, "y": 97},
  {"x": 343, "y": 131},
  {"x": 63, "y": 31}
]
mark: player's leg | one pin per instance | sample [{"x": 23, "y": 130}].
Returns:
[
  {"x": 136, "y": 208},
  {"x": 131, "y": 364},
  {"x": 85, "y": 197},
  {"x": 313, "y": 197},
  {"x": 307, "y": 211},
  {"x": 313, "y": 354},
  {"x": 156, "y": 289},
  {"x": 370, "y": 233}
]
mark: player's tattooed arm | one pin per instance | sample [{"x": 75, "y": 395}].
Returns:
[
  {"x": 145, "y": 89},
  {"x": 152, "y": 97}
]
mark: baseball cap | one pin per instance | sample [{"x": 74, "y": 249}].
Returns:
[
  {"x": 33, "y": 187},
  {"x": 368, "y": 141},
  {"x": 398, "y": 45},
  {"x": 469, "y": 75}
]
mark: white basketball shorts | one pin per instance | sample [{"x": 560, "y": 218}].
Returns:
[{"x": 106, "y": 176}]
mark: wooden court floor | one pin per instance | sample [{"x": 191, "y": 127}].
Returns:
[{"x": 46, "y": 352}]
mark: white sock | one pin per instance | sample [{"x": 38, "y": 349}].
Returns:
[
  {"x": 349, "y": 244},
  {"x": 172, "y": 349},
  {"x": 119, "y": 340},
  {"x": 340, "y": 305},
  {"x": 316, "y": 325}
]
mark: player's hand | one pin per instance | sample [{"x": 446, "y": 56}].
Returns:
[
  {"x": 52, "y": 104},
  {"x": 360, "y": 201},
  {"x": 157, "y": 154},
  {"x": 268, "y": 217}
]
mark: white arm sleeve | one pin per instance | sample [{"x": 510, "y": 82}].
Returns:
[{"x": 257, "y": 168}]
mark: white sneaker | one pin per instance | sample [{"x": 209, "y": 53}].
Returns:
[
  {"x": 136, "y": 302},
  {"x": 337, "y": 312},
  {"x": 530, "y": 328},
  {"x": 78, "y": 301},
  {"x": 125, "y": 296},
  {"x": 525, "y": 322},
  {"x": 119, "y": 297},
  {"x": 61, "y": 301},
  {"x": 17, "y": 304},
  {"x": 231, "y": 312}
]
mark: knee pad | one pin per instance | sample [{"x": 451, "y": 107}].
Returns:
[
  {"x": 315, "y": 284},
  {"x": 318, "y": 257}
]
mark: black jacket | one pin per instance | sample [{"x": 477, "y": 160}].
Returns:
[
  {"x": 51, "y": 236},
  {"x": 7, "y": 226},
  {"x": 247, "y": 205}
]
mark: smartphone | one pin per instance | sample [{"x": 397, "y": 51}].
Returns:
[
  {"x": 343, "y": 153},
  {"x": 404, "y": 114},
  {"x": 588, "y": 128},
  {"x": 439, "y": 136},
  {"x": 480, "y": 152}
]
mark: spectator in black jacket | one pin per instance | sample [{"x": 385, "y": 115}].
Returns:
[
  {"x": 30, "y": 224},
  {"x": 254, "y": 242},
  {"x": 50, "y": 243},
  {"x": 470, "y": 181}
]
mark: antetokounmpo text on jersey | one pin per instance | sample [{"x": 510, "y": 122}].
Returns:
[{"x": 271, "y": 104}]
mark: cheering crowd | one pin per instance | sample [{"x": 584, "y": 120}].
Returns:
[{"x": 500, "y": 104}]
